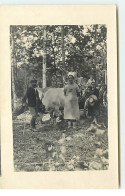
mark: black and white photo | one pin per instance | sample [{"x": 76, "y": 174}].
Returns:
[{"x": 59, "y": 97}]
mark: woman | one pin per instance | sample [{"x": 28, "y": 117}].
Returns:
[{"x": 71, "y": 107}]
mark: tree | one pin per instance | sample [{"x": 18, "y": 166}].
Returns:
[
  {"x": 63, "y": 50},
  {"x": 44, "y": 57},
  {"x": 80, "y": 46},
  {"x": 13, "y": 63}
]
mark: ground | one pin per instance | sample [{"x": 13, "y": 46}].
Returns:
[{"x": 55, "y": 148}]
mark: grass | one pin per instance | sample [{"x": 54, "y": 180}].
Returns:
[{"x": 54, "y": 148}]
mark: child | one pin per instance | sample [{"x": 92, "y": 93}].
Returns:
[{"x": 71, "y": 107}]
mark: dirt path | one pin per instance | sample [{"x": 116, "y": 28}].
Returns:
[{"x": 54, "y": 148}]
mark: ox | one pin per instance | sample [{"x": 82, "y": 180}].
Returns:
[{"x": 53, "y": 101}]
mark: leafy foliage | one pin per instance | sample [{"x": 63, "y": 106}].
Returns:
[{"x": 85, "y": 51}]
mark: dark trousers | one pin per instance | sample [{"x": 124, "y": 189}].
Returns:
[{"x": 34, "y": 116}]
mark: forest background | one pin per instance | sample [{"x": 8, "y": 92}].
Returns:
[{"x": 47, "y": 53}]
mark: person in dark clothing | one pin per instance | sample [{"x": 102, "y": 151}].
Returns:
[
  {"x": 91, "y": 109},
  {"x": 92, "y": 104},
  {"x": 33, "y": 97},
  {"x": 87, "y": 92},
  {"x": 94, "y": 90}
]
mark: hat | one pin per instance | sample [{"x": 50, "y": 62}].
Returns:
[
  {"x": 71, "y": 75},
  {"x": 92, "y": 99}
]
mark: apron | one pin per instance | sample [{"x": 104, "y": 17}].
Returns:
[{"x": 71, "y": 106}]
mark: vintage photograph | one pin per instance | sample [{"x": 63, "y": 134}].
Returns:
[{"x": 59, "y": 97}]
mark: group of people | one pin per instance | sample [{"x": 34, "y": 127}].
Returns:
[
  {"x": 91, "y": 100},
  {"x": 72, "y": 94}
]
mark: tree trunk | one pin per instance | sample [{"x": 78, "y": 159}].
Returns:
[
  {"x": 95, "y": 37},
  {"x": 14, "y": 97},
  {"x": 63, "y": 51},
  {"x": 44, "y": 57}
]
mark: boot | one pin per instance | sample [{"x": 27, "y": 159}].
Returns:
[{"x": 33, "y": 120}]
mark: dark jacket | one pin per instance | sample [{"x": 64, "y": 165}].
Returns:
[
  {"x": 32, "y": 96},
  {"x": 95, "y": 92}
]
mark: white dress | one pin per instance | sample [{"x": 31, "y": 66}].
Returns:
[{"x": 71, "y": 106}]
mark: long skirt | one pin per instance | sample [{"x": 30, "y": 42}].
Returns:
[{"x": 71, "y": 109}]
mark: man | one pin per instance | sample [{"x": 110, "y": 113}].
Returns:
[
  {"x": 94, "y": 90},
  {"x": 33, "y": 97},
  {"x": 91, "y": 109},
  {"x": 90, "y": 80},
  {"x": 87, "y": 92}
]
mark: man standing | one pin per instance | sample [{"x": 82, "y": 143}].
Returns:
[
  {"x": 90, "y": 80},
  {"x": 32, "y": 96}
]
